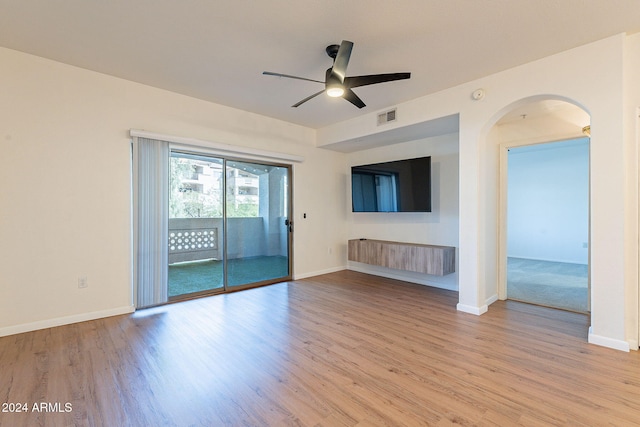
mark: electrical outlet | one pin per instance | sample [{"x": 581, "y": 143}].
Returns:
[{"x": 83, "y": 282}]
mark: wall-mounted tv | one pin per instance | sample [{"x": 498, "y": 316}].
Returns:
[{"x": 398, "y": 186}]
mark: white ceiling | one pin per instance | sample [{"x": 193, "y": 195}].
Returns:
[
  {"x": 216, "y": 50},
  {"x": 543, "y": 121}
]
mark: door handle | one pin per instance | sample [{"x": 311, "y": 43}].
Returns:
[{"x": 289, "y": 223}]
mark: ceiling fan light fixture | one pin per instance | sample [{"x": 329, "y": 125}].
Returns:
[{"x": 335, "y": 91}]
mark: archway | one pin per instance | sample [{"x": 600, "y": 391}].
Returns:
[{"x": 530, "y": 121}]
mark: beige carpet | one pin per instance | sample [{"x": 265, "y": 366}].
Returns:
[{"x": 554, "y": 284}]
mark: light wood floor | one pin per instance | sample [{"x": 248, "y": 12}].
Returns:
[{"x": 343, "y": 349}]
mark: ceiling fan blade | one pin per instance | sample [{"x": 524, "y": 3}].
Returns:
[
  {"x": 307, "y": 98},
  {"x": 350, "y": 96},
  {"x": 339, "y": 69},
  {"x": 269, "y": 73},
  {"x": 357, "y": 81}
]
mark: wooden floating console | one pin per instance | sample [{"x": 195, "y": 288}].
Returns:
[{"x": 428, "y": 259}]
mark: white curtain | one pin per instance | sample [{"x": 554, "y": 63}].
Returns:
[{"x": 151, "y": 221}]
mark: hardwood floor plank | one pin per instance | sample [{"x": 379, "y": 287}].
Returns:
[{"x": 342, "y": 349}]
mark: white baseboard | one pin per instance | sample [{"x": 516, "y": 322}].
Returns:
[
  {"x": 471, "y": 309},
  {"x": 318, "y": 273},
  {"x": 478, "y": 310},
  {"x": 66, "y": 320},
  {"x": 491, "y": 299},
  {"x": 608, "y": 342},
  {"x": 565, "y": 261}
]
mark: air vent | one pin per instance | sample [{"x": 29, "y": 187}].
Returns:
[{"x": 387, "y": 117}]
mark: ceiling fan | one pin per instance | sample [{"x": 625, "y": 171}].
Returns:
[{"x": 336, "y": 83}]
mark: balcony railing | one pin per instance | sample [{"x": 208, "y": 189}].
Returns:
[{"x": 193, "y": 239}]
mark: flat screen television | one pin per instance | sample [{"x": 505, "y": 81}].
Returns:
[{"x": 398, "y": 186}]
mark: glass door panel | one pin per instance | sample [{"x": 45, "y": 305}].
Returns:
[
  {"x": 196, "y": 255},
  {"x": 258, "y": 230}
]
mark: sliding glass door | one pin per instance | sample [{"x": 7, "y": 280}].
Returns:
[
  {"x": 226, "y": 224},
  {"x": 196, "y": 197},
  {"x": 257, "y": 223}
]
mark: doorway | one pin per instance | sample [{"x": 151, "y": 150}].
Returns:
[
  {"x": 548, "y": 224},
  {"x": 228, "y": 224}
]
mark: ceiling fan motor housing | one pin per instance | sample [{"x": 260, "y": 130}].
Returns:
[{"x": 332, "y": 50}]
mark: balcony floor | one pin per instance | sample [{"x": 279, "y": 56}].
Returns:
[{"x": 197, "y": 276}]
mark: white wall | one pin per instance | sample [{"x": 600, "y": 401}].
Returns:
[
  {"x": 632, "y": 135},
  {"x": 548, "y": 202},
  {"x": 598, "y": 86},
  {"x": 439, "y": 227},
  {"x": 65, "y": 194}
]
